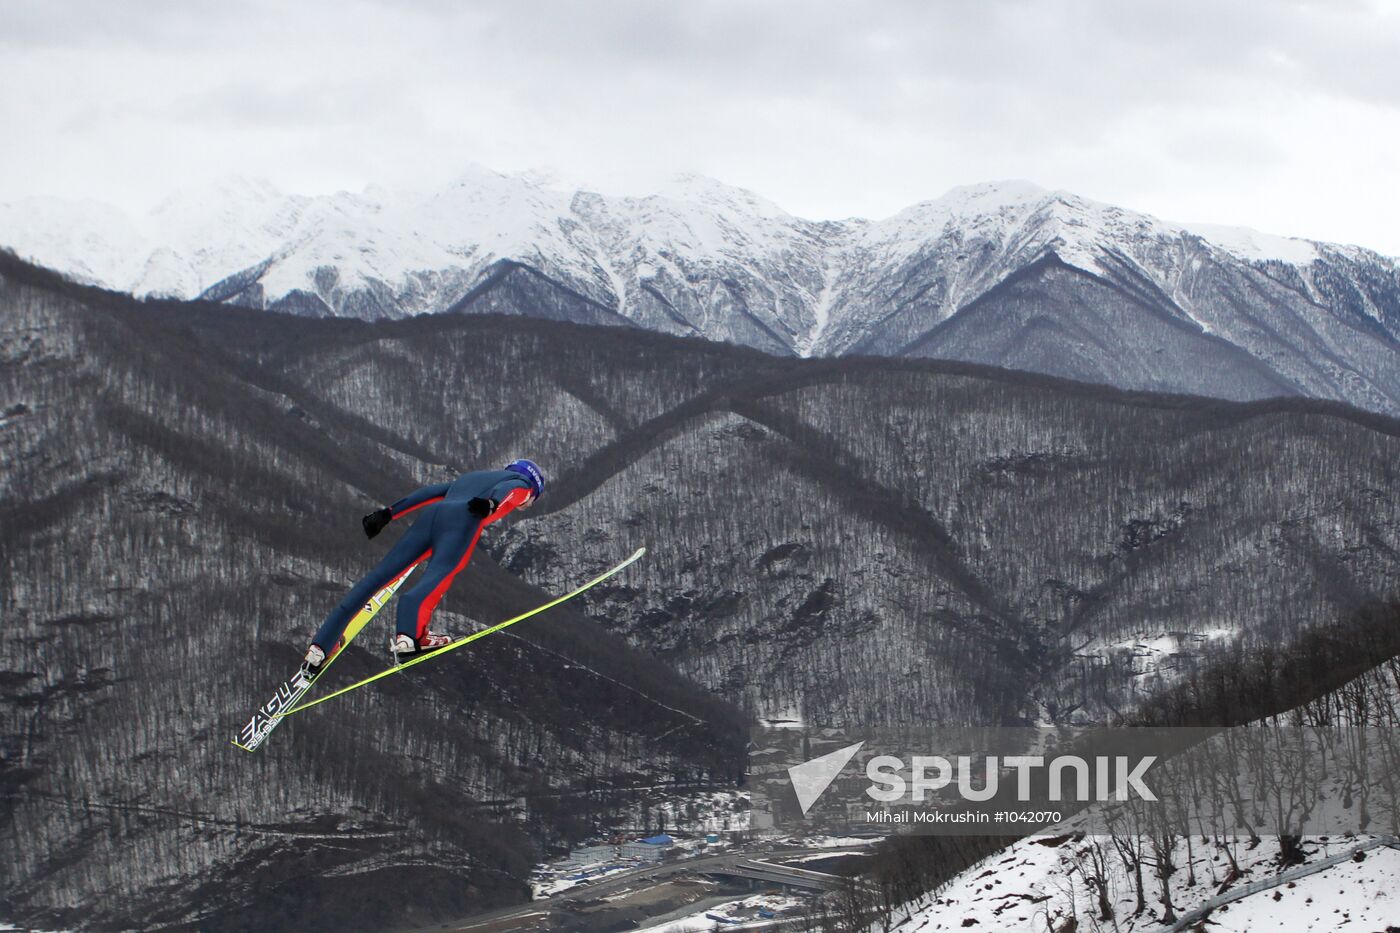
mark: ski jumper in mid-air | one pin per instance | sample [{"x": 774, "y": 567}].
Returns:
[{"x": 450, "y": 517}]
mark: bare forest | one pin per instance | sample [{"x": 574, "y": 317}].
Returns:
[{"x": 851, "y": 541}]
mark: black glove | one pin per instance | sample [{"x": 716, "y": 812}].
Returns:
[
  {"x": 482, "y": 507},
  {"x": 375, "y": 521}
]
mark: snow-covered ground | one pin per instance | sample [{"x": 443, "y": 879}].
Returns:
[
  {"x": 546, "y": 882},
  {"x": 1153, "y": 650},
  {"x": 1050, "y": 882},
  {"x": 1358, "y": 895},
  {"x": 803, "y": 859},
  {"x": 1036, "y": 885},
  {"x": 828, "y": 842},
  {"x": 549, "y": 879},
  {"x": 698, "y": 814},
  {"x": 745, "y": 910}
]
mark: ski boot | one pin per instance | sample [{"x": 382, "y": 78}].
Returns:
[
  {"x": 315, "y": 659},
  {"x": 403, "y": 647}
]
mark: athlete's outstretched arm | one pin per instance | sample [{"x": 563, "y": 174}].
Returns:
[
  {"x": 375, "y": 521},
  {"x": 419, "y": 498}
]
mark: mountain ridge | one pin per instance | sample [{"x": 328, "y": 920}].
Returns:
[{"x": 709, "y": 260}]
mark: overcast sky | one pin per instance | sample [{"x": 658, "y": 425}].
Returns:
[{"x": 1281, "y": 116}]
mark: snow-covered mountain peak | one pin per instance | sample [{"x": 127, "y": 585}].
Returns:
[
  {"x": 991, "y": 197},
  {"x": 87, "y": 239},
  {"x": 705, "y": 258},
  {"x": 999, "y": 206},
  {"x": 703, "y": 190},
  {"x": 1026, "y": 221},
  {"x": 1084, "y": 221},
  {"x": 691, "y": 219},
  {"x": 201, "y": 235},
  {"x": 198, "y": 233},
  {"x": 507, "y": 215},
  {"x": 988, "y": 211}
]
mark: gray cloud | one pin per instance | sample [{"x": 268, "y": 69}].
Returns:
[{"x": 1258, "y": 112}]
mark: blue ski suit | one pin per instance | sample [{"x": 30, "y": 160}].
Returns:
[{"x": 444, "y": 534}]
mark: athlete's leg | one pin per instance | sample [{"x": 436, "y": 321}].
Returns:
[
  {"x": 453, "y": 537},
  {"x": 415, "y": 545}
]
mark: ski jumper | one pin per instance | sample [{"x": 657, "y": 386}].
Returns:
[{"x": 444, "y": 534}]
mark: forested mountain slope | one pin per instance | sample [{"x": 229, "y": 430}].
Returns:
[
  {"x": 172, "y": 531},
  {"x": 845, "y": 541},
  {"x": 874, "y": 540}
]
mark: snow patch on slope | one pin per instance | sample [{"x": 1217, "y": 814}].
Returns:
[
  {"x": 821, "y": 310},
  {"x": 1254, "y": 246},
  {"x": 1037, "y": 884}
]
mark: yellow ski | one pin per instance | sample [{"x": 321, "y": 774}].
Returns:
[
  {"x": 470, "y": 638},
  {"x": 256, "y": 730}
]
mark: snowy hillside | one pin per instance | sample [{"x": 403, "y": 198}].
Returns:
[
  {"x": 1040, "y": 884},
  {"x": 1004, "y": 273},
  {"x": 1083, "y": 882}
]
